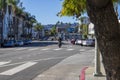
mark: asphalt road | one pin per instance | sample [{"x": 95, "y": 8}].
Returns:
[{"x": 26, "y": 62}]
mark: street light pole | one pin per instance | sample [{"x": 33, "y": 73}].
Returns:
[{"x": 97, "y": 60}]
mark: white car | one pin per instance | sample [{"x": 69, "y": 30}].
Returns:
[
  {"x": 78, "y": 42},
  {"x": 88, "y": 42},
  {"x": 19, "y": 43}
]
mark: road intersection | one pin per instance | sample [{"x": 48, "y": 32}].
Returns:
[{"x": 24, "y": 63}]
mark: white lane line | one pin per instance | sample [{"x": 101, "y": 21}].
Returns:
[
  {"x": 70, "y": 49},
  {"x": 45, "y": 49},
  {"x": 4, "y": 62},
  {"x": 32, "y": 49},
  {"x": 18, "y": 68},
  {"x": 57, "y": 49}
]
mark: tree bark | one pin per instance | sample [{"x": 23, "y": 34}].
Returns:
[{"x": 107, "y": 32}]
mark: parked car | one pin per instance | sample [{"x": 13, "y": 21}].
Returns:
[
  {"x": 27, "y": 41},
  {"x": 88, "y": 42},
  {"x": 78, "y": 42},
  {"x": 19, "y": 43},
  {"x": 9, "y": 43}
]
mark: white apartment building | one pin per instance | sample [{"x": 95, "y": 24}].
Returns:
[{"x": 5, "y": 24}]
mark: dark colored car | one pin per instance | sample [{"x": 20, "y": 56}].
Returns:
[
  {"x": 27, "y": 41},
  {"x": 19, "y": 43},
  {"x": 9, "y": 43}
]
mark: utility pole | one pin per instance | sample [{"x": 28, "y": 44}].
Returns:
[{"x": 97, "y": 60}]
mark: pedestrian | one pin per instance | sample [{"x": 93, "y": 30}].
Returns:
[{"x": 59, "y": 42}]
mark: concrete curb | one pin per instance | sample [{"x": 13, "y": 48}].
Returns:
[{"x": 82, "y": 74}]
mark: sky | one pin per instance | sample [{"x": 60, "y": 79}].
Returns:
[{"x": 46, "y": 10}]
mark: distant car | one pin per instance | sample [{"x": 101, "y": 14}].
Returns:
[
  {"x": 19, "y": 43},
  {"x": 9, "y": 43},
  {"x": 27, "y": 41},
  {"x": 88, "y": 42},
  {"x": 78, "y": 42}
]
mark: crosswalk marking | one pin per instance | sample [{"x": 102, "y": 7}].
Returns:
[
  {"x": 18, "y": 68},
  {"x": 20, "y": 49},
  {"x": 45, "y": 49},
  {"x": 82, "y": 50},
  {"x": 32, "y": 49},
  {"x": 70, "y": 49},
  {"x": 57, "y": 49},
  {"x": 4, "y": 62}
]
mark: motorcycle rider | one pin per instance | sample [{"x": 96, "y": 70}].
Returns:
[{"x": 59, "y": 42}]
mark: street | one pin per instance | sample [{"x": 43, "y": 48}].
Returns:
[{"x": 25, "y": 63}]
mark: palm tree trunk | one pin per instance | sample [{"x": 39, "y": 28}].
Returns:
[
  {"x": 31, "y": 33},
  {"x": 107, "y": 33}
]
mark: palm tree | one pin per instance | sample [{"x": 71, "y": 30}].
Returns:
[
  {"x": 16, "y": 10},
  {"x": 53, "y": 31},
  {"x": 38, "y": 27},
  {"x": 30, "y": 20},
  {"x": 1, "y": 22},
  {"x": 3, "y": 4}
]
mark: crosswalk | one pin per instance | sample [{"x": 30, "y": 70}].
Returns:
[
  {"x": 20, "y": 49},
  {"x": 42, "y": 49},
  {"x": 16, "y": 69},
  {"x": 57, "y": 49},
  {"x": 4, "y": 62},
  {"x": 45, "y": 49},
  {"x": 70, "y": 49}
]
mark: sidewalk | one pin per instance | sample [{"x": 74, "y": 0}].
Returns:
[
  {"x": 90, "y": 76},
  {"x": 69, "y": 69}
]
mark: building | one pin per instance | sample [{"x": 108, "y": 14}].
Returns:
[
  {"x": 8, "y": 30},
  {"x": 91, "y": 30},
  {"x": 67, "y": 31}
]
